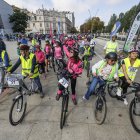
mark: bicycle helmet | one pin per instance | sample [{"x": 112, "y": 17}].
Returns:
[
  {"x": 111, "y": 55},
  {"x": 133, "y": 49},
  {"x": 24, "y": 47}
]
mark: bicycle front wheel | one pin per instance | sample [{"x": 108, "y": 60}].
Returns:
[
  {"x": 100, "y": 110},
  {"x": 17, "y": 111},
  {"x": 64, "y": 110},
  {"x": 135, "y": 114}
]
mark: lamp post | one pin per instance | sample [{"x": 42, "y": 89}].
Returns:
[{"x": 90, "y": 20}]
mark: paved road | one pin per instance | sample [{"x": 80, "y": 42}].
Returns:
[{"x": 42, "y": 117}]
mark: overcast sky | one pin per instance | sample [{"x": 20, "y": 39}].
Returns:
[{"x": 82, "y": 8}]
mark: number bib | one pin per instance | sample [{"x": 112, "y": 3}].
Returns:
[{"x": 64, "y": 82}]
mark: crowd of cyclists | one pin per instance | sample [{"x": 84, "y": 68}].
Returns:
[{"x": 71, "y": 51}]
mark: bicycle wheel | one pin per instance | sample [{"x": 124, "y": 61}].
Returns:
[
  {"x": 64, "y": 110},
  {"x": 17, "y": 111},
  {"x": 53, "y": 65},
  {"x": 112, "y": 90},
  {"x": 134, "y": 117},
  {"x": 100, "y": 110}
]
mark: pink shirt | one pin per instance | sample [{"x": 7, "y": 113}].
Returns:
[
  {"x": 40, "y": 56},
  {"x": 58, "y": 52},
  {"x": 47, "y": 49}
]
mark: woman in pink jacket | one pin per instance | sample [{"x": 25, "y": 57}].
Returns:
[
  {"x": 74, "y": 67},
  {"x": 40, "y": 58}
]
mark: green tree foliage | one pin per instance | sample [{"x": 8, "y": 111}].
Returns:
[
  {"x": 73, "y": 30},
  {"x": 93, "y": 25},
  {"x": 19, "y": 20}
]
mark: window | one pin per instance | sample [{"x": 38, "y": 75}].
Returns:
[
  {"x": 40, "y": 24},
  {"x": 47, "y": 24},
  {"x": 33, "y": 24}
]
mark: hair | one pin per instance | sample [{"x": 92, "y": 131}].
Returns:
[{"x": 75, "y": 57}]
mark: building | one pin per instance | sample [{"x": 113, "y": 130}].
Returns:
[
  {"x": 70, "y": 16},
  {"x": 5, "y": 11},
  {"x": 44, "y": 20}
]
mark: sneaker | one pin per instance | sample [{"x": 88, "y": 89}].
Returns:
[
  {"x": 42, "y": 96},
  {"x": 84, "y": 99},
  {"x": 119, "y": 91},
  {"x": 125, "y": 101},
  {"x": 57, "y": 97},
  {"x": 74, "y": 101}
]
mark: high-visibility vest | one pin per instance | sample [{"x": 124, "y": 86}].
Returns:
[
  {"x": 130, "y": 70},
  {"x": 2, "y": 56},
  {"x": 113, "y": 71},
  {"x": 27, "y": 65},
  {"x": 111, "y": 47},
  {"x": 87, "y": 51}
]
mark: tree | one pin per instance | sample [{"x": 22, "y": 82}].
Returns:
[
  {"x": 73, "y": 30},
  {"x": 19, "y": 20},
  {"x": 111, "y": 23}
]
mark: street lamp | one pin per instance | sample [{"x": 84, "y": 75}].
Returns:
[{"x": 90, "y": 20}]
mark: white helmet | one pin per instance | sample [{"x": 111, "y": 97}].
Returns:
[{"x": 133, "y": 49}]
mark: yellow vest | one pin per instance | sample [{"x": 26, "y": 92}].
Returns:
[
  {"x": 34, "y": 42},
  {"x": 130, "y": 70},
  {"x": 87, "y": 51},
  {"x": 27, "y": 65},
  {"x": 2, "y": 56},
  {"x": 111, "y": 47}
]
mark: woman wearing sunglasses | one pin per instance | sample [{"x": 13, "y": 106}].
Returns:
[{"x": 107, "y": 69}]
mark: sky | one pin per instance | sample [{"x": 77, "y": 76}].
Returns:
[{"x": 83, "y": 9}]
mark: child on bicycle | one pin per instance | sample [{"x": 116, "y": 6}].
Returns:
[
  {"x": 74, "y": 68},
  {"x": 103, "y": 70},
  {"x": 29, "y": 66},
  {"x": 128, "y": 70}
]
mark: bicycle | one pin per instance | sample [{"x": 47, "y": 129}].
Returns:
[
  {"x": 100, "y": 108},
  {"x": 19, "y": 104},
  {"x": 65, "y": 99},
  {"x": 134, "y": 108}
]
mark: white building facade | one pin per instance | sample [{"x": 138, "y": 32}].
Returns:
[
  {"x": 44, "y": 19},
  {"x": 5, "y": 11}
]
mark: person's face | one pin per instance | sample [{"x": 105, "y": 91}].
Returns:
[
  {"x": 113, "y": 38},
  {"x": 71, "y": 53},
  {"x": 23, "y": 52},
  {"x": 111, "y": 62},
  {"x": 133, "y": 55}
]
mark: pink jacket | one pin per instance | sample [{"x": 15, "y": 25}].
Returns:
[
  {"x": 58, "y": 52},
  {"x": 74, "y": 68},
  {"x": 47, "y": 49},
  {"x": 66, "y": 51},
  {"x": 40, "y": 56},
  {"x": 70, "y": 43}
]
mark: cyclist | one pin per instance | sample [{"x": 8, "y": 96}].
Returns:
[
  {"x": 87, "y": 55},
  {"x": 107, "y": 69},
  {"x": 74, "y": 67},
  {"x": 92, "y": 43},
  {"x": 128, "y": 70},
  {"x": 47, "y": 51},
  {"x": 112, "y": 45},
  {"x": 40, "y": 58},
  {"x": 29, "y": 66}
]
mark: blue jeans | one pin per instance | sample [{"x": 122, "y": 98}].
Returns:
[
  {"x": 37, "y": 81},
  {"x": 93, "y": 85}
]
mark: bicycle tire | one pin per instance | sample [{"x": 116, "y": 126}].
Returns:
[
  {"x": 131, "y": 114},
  {"x": 64, "y": 109},
  {"x": 22, "y": 108},
  {"x": 53, "y": 65},
  {"x": 112, "y": 91},
  {"x": 100, "y": 121}
]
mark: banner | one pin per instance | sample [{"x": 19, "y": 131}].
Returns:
[
  {"x": 115, "y": 29},
  {"x": 132, "y": 32},
  {"x": 51, "y": 30}
]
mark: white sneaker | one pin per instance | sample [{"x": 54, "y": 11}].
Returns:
[
  {"x": 84, "y": 99},
  {"x": 125, "y": 101},
  {"x": 119, "y": 91}
]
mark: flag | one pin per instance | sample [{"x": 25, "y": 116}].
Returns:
[
  {"x": 115, "y": 28},
  {"x": 132, "y": 32},
  {"x": 51, "y": 30}
]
